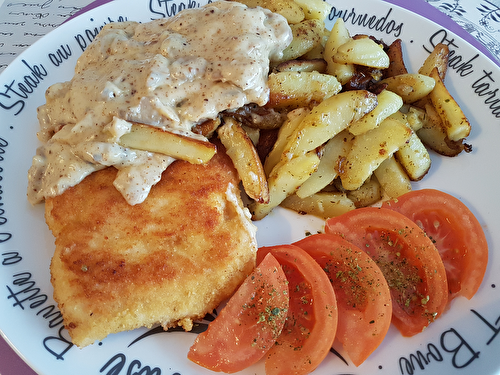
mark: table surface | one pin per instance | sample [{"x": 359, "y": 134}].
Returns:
[{"x": 466, "y": 18}]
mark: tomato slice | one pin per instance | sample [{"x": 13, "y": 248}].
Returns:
[
  {"x": 408, "y": 259},
  {"x": 363, "y": 297},
  {"x": 456, "y": 233},
  {"x": 248, "y": 325},
  {"x": 311, "y": 323}
]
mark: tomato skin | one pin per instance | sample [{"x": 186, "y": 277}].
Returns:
[
  {"x": 248, "y": 325},
  {"x": 408, "y": 259},
  {"x": 311, "y": 322},
  {"x": 363, "y": 296},
  {"x": 456, "y": 233}
]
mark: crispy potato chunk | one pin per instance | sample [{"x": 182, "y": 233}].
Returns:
[
  {"x": 370, "y": 149},
  {"x": 455, "y": 122},
  {"x": 300, "y": 89},
  {"x": 241, "y": 150},
  {"x": 364, "y": 51},
  {"x": 149, "y": 138},
  {"x": 323, "y": 205},
  {"x": 411, "y": 87}
]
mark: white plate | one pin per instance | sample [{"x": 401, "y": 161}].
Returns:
[{"x": 464, "y": 337}]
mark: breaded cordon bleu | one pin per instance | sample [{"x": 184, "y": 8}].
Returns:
[{"x": 168, "y": 261}]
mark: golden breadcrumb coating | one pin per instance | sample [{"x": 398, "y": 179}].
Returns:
[{"x": 169, "y": 260}]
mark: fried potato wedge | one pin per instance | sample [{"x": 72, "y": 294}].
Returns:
[
  {"x": 333, "y": 151},
  {"x": 414, "y": 158},
  {"x": 306, "y": 35},
  {"x": 455, "y": 122},
  {"x": 414, "y": 116},
  {"x": 241, "y": 150},
  {"x": 434, "y": 136},
  {"x": 338, "y": 36},
  {"x": 438, "y": 59},
  {"x": 370, "y": 149},
  {"x": 368, "y": 194},
  {"x": 252, "y": 133},
  {"x": 413, "y": 155},
  {"x": 150, "y": 138},
  {"x": 284, "y": 180},
  {"x": 300, "y": 89},
  {"x": 294, "y": 118},
  {"x": 388, "y": 104},
  {"x": 411, "y": 87},
  {"x": 327, "y": 119},
  {"x": 364, "y": 51},
  {"x": 323, "y": 205},
  {"x": 392, "y": 178},
  {"x": 400, "y": 116},
  {"x": 318, "y": 51}
]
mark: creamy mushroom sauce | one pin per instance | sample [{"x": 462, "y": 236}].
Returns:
[{"x": 170, "y": 73}]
